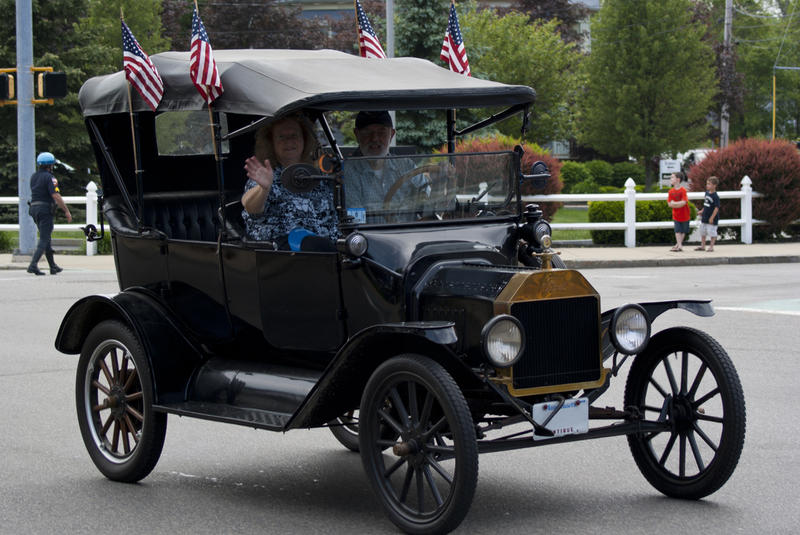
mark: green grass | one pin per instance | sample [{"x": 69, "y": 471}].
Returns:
[
  {"x": 571, "y": 215},
  {"x": 10, "y": 239}
]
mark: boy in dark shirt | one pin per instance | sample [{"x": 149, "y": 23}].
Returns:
[{"x": 709, "y": 217}]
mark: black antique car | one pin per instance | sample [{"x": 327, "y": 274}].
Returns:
[{"x": 431, "y": 332}]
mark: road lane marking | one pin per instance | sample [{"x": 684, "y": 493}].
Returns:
[{"x": 762, "y": 310}]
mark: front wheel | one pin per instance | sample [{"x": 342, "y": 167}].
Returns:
[
  {"x": 686, "y": 379},
  {"x": 114, "y": 398},
  {"x": 427, "y": 477},
  {"x": 345, "y": 429}
]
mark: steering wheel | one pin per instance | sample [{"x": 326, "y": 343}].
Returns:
[{"x": 405, "y": 177}]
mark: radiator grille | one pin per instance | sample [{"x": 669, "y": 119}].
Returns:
[{"x": 562, "y": 342}]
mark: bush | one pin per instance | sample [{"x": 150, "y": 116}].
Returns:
[
  {"x": 587, "y": 186},
  {"x": 774, "y": 168},
  {"x": 573, "y": 173},
  {"x": 6, "y": 242},
  {"x": 532, "y": 154},
  {"x": 614, "y": 211},
  {"x": 104, "y": 245},
  {"x": 601, "y": 171},
  {"x": 623, "y": 170}
]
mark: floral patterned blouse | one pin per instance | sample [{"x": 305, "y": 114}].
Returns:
[{"x": 284, "y": 211}]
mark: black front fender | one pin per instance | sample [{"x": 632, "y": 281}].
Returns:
[
  {"x": 340, "y": 387},
  {"x": 698, "y": 307}
]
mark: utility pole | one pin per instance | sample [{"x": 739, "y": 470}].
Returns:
[
  {"x": 26, "y": 140},
  {"x": 389, "y": 28},
  {"x": 727, "y": 58}
]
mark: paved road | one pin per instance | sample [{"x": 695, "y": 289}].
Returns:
[{"x": 214, "y": 478}]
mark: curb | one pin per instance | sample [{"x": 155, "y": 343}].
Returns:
[{"x": 676, "y": 262}]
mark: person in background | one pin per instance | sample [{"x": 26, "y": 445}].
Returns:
[
  {"x": 271, "y": 211},
  {"x": 709, "y": 217},
  {"x": 678, "y": 200},
  {"x": 45, "y": 195}
]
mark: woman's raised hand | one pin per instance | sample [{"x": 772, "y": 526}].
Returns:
[{"x": 260, "y": 172}]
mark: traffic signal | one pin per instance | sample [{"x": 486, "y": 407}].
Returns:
[
  {"x": 51, "y": 85},
  {"x": 8, "y": 87}
]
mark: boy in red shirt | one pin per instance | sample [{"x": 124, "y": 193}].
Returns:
[{"x": 678, "y": 200}]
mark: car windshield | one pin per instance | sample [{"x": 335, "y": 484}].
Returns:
[{"x": 428, "y": 187}]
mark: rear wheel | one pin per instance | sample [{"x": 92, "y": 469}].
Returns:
[
  {"x": 114, "y": 399},
  {"x": 426, "y": 478},
  {"x": 686, "y": 378}
]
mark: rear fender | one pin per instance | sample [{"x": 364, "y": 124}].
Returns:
[
  {"x": 173, "y": 358},
  {"x": 654, "y": 309},
  {"x": 340, "y": 387}
]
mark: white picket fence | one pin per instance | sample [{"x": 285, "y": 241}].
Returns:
[
  {"x": 630, "y": 196},
  {"x": 629, "y": 225},
  {"x": 90, "y": 200}
]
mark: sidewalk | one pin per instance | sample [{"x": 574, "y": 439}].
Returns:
[
  {"x": 575, "y": 257},
  {"x": 660, "y": 256}
]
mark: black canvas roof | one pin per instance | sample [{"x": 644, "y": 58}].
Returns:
[{"x": 274, "y": 82}]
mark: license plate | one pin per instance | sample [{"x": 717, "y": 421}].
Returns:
[{"x": 571, "y": 419}]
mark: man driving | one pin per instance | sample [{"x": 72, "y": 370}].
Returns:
[{"x": 368, "y": 180}]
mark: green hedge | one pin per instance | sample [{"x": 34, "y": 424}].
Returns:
[
  {"x": 602, "y": 172},
  {"x": 614, "y": 211},
  {"x": 624, "y": 170},
  {"x": 6, "y": 241},
  {"x": 572, "y": 174}
]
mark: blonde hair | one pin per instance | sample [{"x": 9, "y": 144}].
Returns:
[{"x": 265, "y": 148}]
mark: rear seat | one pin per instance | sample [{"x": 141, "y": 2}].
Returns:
[{"x": 179, "y": 215}]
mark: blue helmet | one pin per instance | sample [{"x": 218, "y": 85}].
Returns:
[{"x": 45, "y": 158}]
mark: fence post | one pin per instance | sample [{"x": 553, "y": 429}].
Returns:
[
  {"x": 91, "y": 215},
  {"x": 747, "y": 210},
  {"x": 630, "y": 213}
]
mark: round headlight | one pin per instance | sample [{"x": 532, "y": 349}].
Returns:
[
  {"x": 630, "y": 329},
  {"x": 503, "y": 340}
]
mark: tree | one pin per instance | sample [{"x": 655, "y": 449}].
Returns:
[
  {"x": 511, "y": 50},
  {"x": 651, "y": 80},
  {"x": 763, "y": 38},
  {"x": 568, "y": 15},
  {"x": 419, "y": 31},
  {"x": 344, "y": 31},
  {"x": 59, "y": 128},
  {"x": 81, "y": 38},
  {"x": 142, "y": 16},
  {"x": 244, "y": 24}
]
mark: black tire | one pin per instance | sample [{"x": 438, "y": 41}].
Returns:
[
  {"x": 114, "y": 399},
  {"x": 685, "y": 377},
  {"x": 435, "y": 448},
  {"x": 345, "y": 429}
]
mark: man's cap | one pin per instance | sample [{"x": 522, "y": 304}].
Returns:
[{"x": 366, "y": 118}]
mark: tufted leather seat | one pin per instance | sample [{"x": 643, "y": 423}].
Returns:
[{"x": 179, "y": 215}]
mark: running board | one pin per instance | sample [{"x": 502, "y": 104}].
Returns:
[{"x": 218, "y": 412}]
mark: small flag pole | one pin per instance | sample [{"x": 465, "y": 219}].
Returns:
[
  {"x": 210, "y": 114},
  {"x": 213, "y": 122},
  {"x": 137, "y": 163}
]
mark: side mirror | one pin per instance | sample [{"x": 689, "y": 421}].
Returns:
[{"x": 539, "y": 174}]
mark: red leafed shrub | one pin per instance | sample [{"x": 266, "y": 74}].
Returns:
[
  {"x": 774, "y": 168},
  {"x": 533, "y": 153}
]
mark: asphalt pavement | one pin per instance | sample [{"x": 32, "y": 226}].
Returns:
[{"x": 574, "y": 256}]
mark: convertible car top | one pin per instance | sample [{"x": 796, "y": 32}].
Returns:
[{"x": 326, "y": 82}]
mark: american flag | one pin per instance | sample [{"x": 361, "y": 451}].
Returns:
[
  {"x": 202, "y": 67},
  {"x": 369, "y": 46},
  {"x": 453, "y": 51},
  {"x": 139, "y": 70}
]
